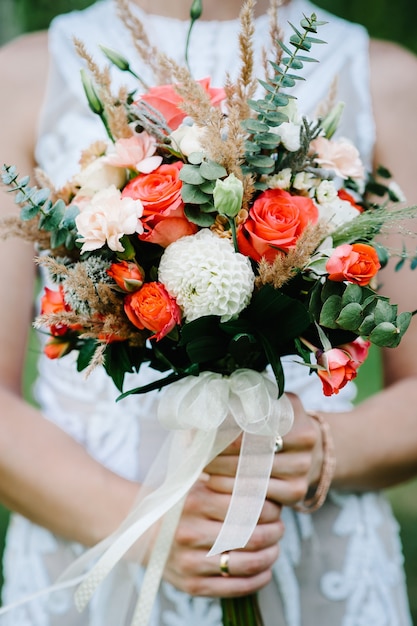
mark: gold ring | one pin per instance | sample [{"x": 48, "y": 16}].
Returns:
[
  {"x": 279, "y": 444},
  {"x": 224, "y": 564}
]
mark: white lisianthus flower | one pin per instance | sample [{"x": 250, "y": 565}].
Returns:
[
  {"x": 337, "y": 212},
  {"x": 281, "y": 180},
  {"x": 304, "y": 181},
  {"x": 106, "y": 218},
  {"x": 98, "y": 175},
  {"x": 206, "y": 276},
  {"x": 187, "y": 138},
  {"x": 326, "y": 192},
  {"x": 290, "y": 135}
]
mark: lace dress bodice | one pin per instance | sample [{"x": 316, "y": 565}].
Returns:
[{"x": 339, "y": 567}]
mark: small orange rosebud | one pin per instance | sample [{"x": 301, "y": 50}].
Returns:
[
  {"x": 127, "y": 275},
  {"x": 56, "y": 348}
]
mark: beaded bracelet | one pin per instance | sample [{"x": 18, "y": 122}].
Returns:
[{"x": 314, "y": 502}]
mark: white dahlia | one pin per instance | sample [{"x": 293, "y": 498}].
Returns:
[{"x": 206, "y": 276}]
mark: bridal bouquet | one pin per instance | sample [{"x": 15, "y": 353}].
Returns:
[{"x": 215, "y": 231}]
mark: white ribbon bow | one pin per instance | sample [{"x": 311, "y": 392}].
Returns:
[{"x": 206, "y": 413}]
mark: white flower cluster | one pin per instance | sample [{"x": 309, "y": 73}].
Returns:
[{"x": 206, "y": 276}]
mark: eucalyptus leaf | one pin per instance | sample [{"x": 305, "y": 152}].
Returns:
[
  {"x": 28, "y": 212},
  {"x": 403, "y": 321},
  {"x": 350, "y": 317},
  {"x": 367, "y": 326},
  {"x": 352, "y": 293},
  {"x": 191, "y": 174},
  {"x": 193, "y": 195},
  {"x": 330, "y": 312},
  {"x": 212, "y": 170},
  {"x": 195, "y": 158},
  {"x": 385, "y": 335},
  {"x": 385, "y": 312},
  {"x": 194, "y": 214}
]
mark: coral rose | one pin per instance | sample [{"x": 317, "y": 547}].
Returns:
[
  {"x": 163, "y": 219},
  {"x": 153, "y": 308},
  {"x": 338, "y": 370},
  {"x": 168, "y": 101},
  {"x": 276, "y": 221},
  {"x": 355, "y": 263},
  {"x": 128, "y": 275},
  {"x": 357, "y": 350}
]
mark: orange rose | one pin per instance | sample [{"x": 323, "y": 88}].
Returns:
[
  {"x": 54, "y": 302},
  {"x": 56, "y": 347},
  {"x": 153, "y": 308},
  {"x": 356, "y": 263},
  {"x": 338, "y": 370},
  {"x": 163, "y": 217},
  {"x": 167, "y": 101},
  {"x": 128, "y": 275},
  {"x": 276, "y": 221}
]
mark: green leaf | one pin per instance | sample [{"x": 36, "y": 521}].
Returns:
[
  {"x": 385, "y": 312},
  {"x": 212, "y": 170},
  {"x": 41, "y": 196},
  {"x": 119, "y": 359},
  {"x": 28, "y": 212},
  {"x": 71, "y": 212},
  {"x": 263, "y": 161},
  {"x": 403, "y": 321},
  {"x": 277, "y": 316},
  {"x": 208, "y": 186},
  {"x": 385, "y": 335},
  {"x": 191, "y": 174},
  {"x": 58, "y": 238},
  {"x": 86, "y": 353},
  {"x": 193, "y": 195},
  {"x": 350, "y": 316},
  {"x": 275, "y": 362},
  {"x": 352, "y": 293},
  {"x": 367, "y": 326},
  {"x": 255, "y": 126},
  {"x": 194, "y": 214},
  {"x": 330, "y": 311},
  {"x": 195, "y": 158}
]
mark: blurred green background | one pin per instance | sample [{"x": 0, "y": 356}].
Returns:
[{"x": 384, "y": 19}]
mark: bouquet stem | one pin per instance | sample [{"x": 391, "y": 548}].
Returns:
[{"x": 241, "y": 611}]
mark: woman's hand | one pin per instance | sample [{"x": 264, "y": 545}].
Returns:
[
  {"x": 296, "y": 467},
  {"x": 188, "y": 567}
]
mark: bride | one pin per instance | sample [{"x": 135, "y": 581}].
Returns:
[{"x": 70, "y": 469}]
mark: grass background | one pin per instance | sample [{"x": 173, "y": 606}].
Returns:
[{"x": 384, "y": 20}]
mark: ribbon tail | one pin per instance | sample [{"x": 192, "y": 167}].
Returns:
[
  {"x": 249, "y": 493},
  {"x": 185, "y": 467},
  {"x": 156, "y": 565}
]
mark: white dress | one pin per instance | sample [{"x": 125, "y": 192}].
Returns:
[{"x": 340, "y": 567}]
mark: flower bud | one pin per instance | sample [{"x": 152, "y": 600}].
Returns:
[
  {"x": 92, "y": 96},
  {"x": 117, "y": 59},
  {"x": 127, "y": 275},
  {"x": 196, "y": 9},
  {"x": 331, "y": 122},
  {"x": 227, "y": 195}
]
